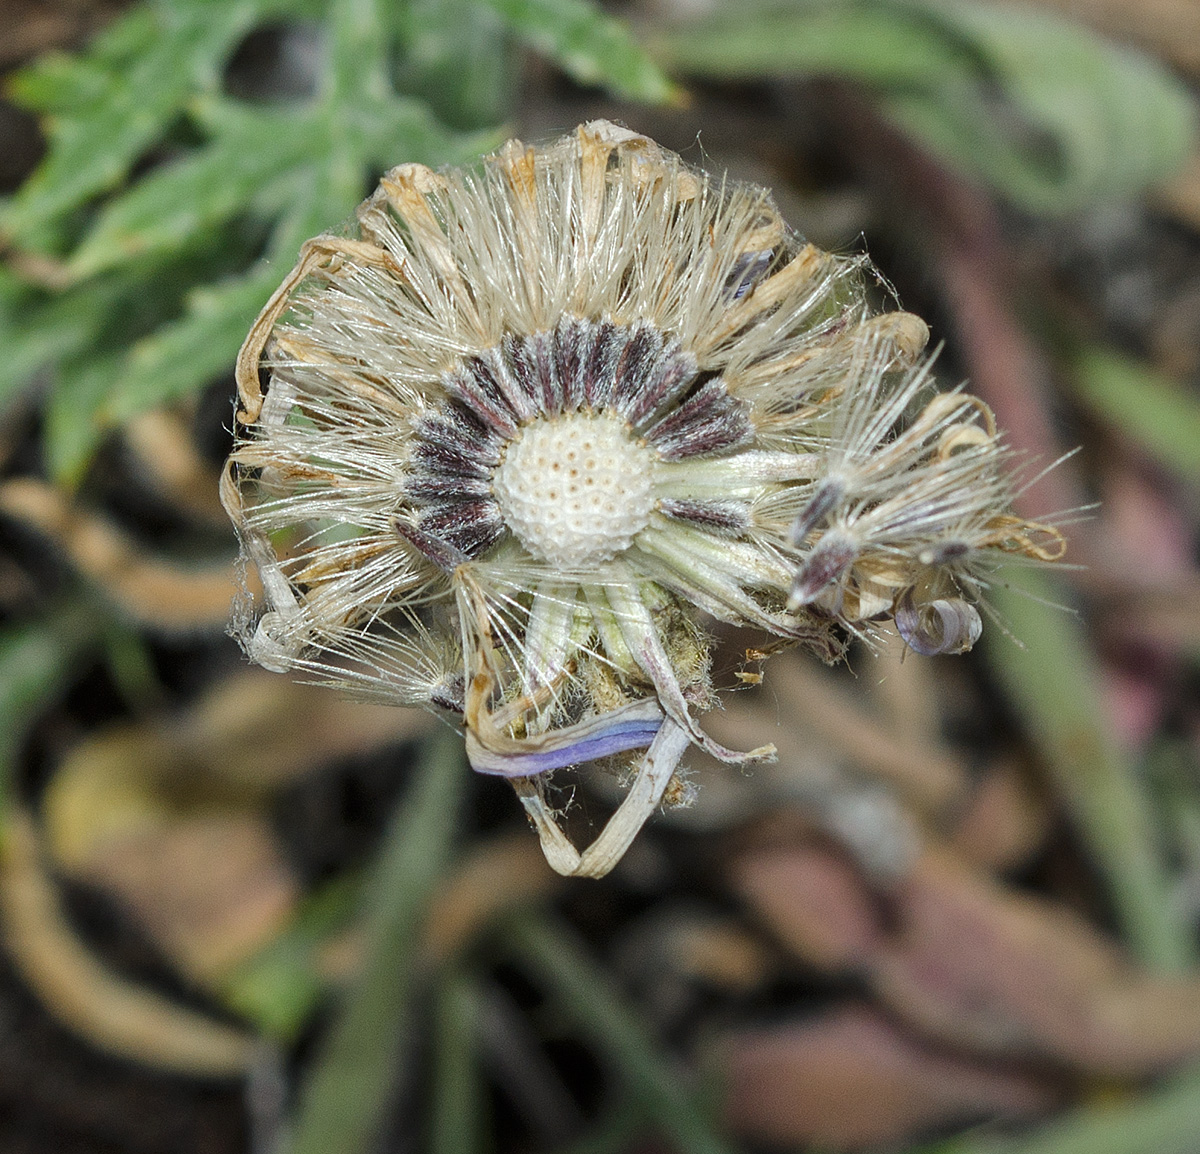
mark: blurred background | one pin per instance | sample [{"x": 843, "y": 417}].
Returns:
[{"x": 243, "y": 915}]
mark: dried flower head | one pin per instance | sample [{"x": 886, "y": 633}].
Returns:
[{"x": 541, "y": 417}]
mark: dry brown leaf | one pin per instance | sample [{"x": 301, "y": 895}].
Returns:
[
  {"x": 260, "y": 728},
  {"x": 166, "y": 453},
  {"x": 1010, "y": 974},
  {"x": 149, "y": 590},
  {"x": 816, "y": 903},
  {"x": 1004, "y": 823},
  {"x": 850, "y": 1079},
  {"x": 166, "y": 816},
  {"x": 80, "y": 991},
  {"x": 1166, "y": 615},
  {"x": 210, "y": 889},
  {"x": 968, "y": 961},
  {"x": 208, "y": 884},
  {"x": 924, "y": 772}
]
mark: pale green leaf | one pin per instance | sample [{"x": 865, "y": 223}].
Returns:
[
  {"x": 59, "y": 82},
  {"x": 590, "y": 46},
  {"x": 461, "y": 58},
  {"x": 36, "y": 330},
  {"x": 72, "y": 433},
  {"x": 398, "y": 129},
  {"x": 1053, "y": 683},
  {"x": 879, "y": 45},
  {"x": 130, "y": 335},
  {"x": 187, "y": 354},
  {"x": 1087, "y": 120},
  {"x": 1043, "y": 110},
  {"x": 1157, "y": 413}
]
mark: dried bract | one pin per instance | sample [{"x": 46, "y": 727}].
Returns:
[{"x": 539, "y": 418}]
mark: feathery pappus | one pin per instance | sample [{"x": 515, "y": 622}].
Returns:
[{"x": 504, "y": 450}]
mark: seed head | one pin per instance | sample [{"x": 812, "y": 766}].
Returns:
[{"x": 502, "y": 451}]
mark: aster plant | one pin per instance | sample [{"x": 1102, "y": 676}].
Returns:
[{"x": 504, "y": 450}]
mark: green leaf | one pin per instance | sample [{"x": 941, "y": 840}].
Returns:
[
  {"x": 165, "y": 211},
  {"x": 458, "y": 1090},
  {"x": 154, "y": 312},
  {"x": 1154, "y": 411},
  {"x": 1053, "y": 685},
  {"x": 62, "y": 83},
  {"x": 72, "y": 433},
  {"x": 1081, "y": 120},
  {"x": 100, "y": 378},
  {"x": 347, "y": 1093},
  {"x": 881, "y": 45},
  {"x": 35, "y": 662},
  {"x": 1090, "y": 120},
  {"x": 586, "y": 992},
  {"x": 590, "y": 47},
  {"x": 279, "y": 988},
  {"x": 398, "y": 129},
  {"x": 461, "y": 59},
  {"x": 36, "y": 330},
  {"x": 186, "y": 354},
  {"x": 140, "y": 79},
  {"x": 189, "y": 353}
]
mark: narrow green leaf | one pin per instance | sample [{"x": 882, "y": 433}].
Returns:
[
  {"x": 399, "y": 129},
  {"x": 347, "y": 1094},
  {"x": 35, "y": 662},
  {"x": 457, "y": 1087},
  {"x": 59, "y": 82},
  {"x": 358, "y": 51},
  {"x": 131, "y": 667},
  {"x": 1145, "y": 406},
  {"x": 589, "y": 46},
  {"x": 36, "y": 330},
  {"x": 188, "y": 353},
  {"x": 131, "y": 335},
  {"x": 1053, "y": 685},
  {"x": 879, "y": 45},
  {"x": 1092, "y": 120},
  {"x": 586, "y": 993}
]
